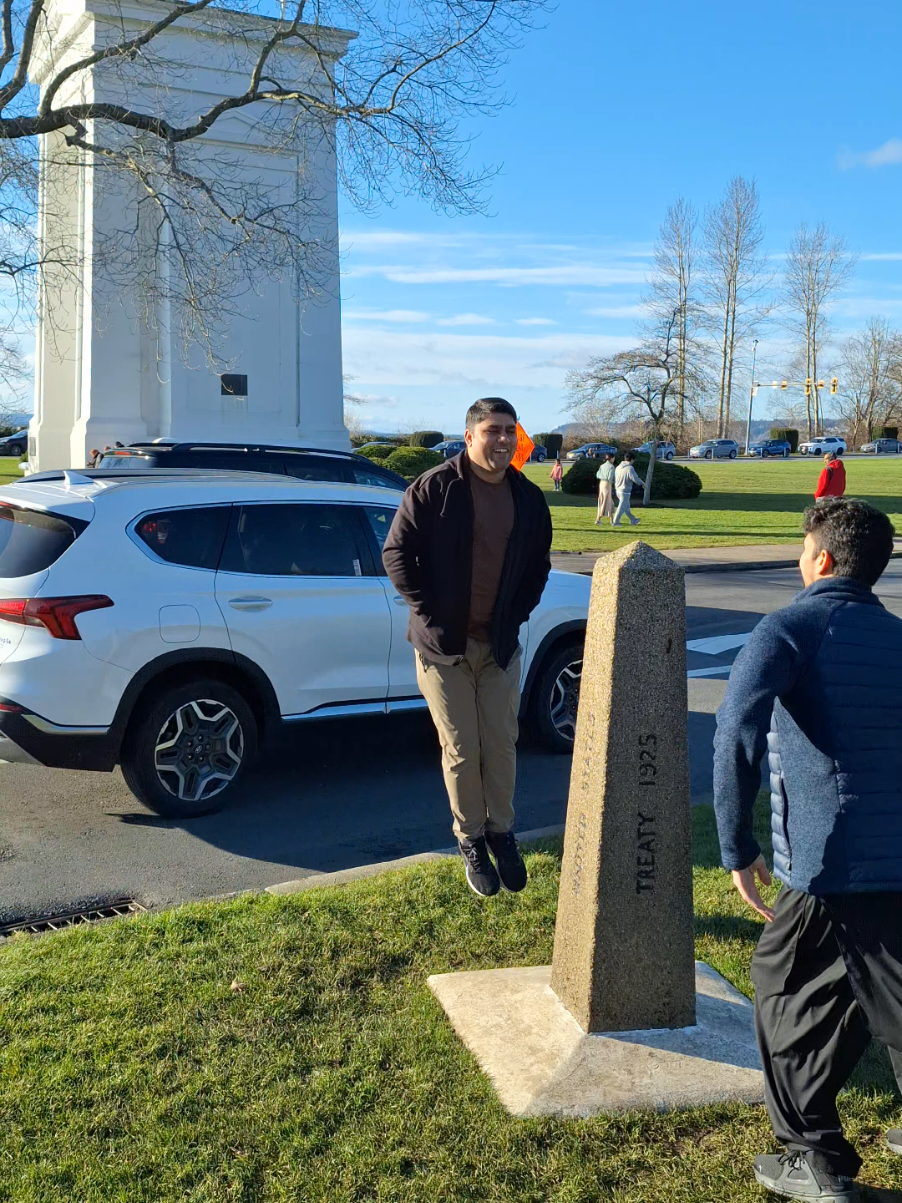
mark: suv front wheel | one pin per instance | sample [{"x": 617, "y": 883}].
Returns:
[
  {"x": 556, "y": 698},
  {"x": 188, "y": 747}
]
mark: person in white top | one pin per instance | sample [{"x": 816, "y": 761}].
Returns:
[{"x": 624, "y": 479}]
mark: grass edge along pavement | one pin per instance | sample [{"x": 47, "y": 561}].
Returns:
[{"x": 287, "y": 1048}]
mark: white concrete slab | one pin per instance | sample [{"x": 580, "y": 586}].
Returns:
[{"x": 542, "y": 1063}]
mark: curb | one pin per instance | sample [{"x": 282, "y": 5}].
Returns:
[
  {"x": 343, "y": 877},
  {"x": 728, "y": 565}
]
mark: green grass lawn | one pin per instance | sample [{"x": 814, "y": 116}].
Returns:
[
  {"x": 275, "y": 1049},
  {"x": 741, "y": 502},
  {"x": 9, "y": 468}
]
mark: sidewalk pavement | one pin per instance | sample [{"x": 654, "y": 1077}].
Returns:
[{"x": 703, "y": 559}]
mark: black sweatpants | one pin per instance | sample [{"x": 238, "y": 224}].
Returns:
[{"x": 828, "y": 977}]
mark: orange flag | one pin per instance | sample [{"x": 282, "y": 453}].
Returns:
[{"x": 525, "y": 448}]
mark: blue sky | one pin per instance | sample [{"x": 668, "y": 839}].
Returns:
[{"x": 616, "y": 109}]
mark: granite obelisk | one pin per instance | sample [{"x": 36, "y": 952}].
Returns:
[{"x": 623, "y": 948}]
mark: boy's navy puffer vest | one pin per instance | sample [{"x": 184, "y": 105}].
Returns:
[{"x": 825, "y": 675}]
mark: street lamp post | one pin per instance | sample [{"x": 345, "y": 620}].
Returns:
[{"x": 748, "y": 425}]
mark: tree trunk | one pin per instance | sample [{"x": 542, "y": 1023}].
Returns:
[{"x": 723, "y": 372}]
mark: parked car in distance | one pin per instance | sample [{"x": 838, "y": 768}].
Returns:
[
  {"x": 715, "y": 449},
  {"x": 822, "y": 444},
  {"x": 15, "y": 444},
  {"x": 666, "y": 449},
  {"x": 173, "y": 623},
  {"x": 450, "y": 447},
  {"x": 882, "y": 447},
  {"x": 304, "y": 463},
  {"x": 770, "y": 447},
  {"x": 591, "y": 451}
]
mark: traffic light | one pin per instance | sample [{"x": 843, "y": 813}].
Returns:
[
  {"x": 808, "y": 387},
  {"x": 784, "y": 384},
  {"x": 833, "y": 384},
  {"x": 821, "y": 383}
]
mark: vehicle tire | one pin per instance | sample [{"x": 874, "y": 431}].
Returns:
[
  {"x": 709, "y": 455},
  {"x": 816, "y": 451},
  {"x": 187, "y": 747},
  {"x": 669, "y": 455},
  {"x": 556, "y": 696},
  {"x": 733, "y": 454},
  {"x": 839, "y": 451},
  {"x": 541, "y": 456},
  {"x": 16, "y": 450}
]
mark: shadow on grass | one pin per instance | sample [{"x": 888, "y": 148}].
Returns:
[{"x": 775, "y": 502}]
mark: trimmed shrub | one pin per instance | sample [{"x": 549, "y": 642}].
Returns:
[
  {"x": 426, "y": 438},
  {"x": 551, "y": 441},
  {"x": 885, "y": 432},
  {"x": 357, "y": 440},
  {"x": 376, "y": 454},
  {"x": 671, "y": 482},
  {"x": 411, "y": 462},
  {"x": 791, "y": 436}
]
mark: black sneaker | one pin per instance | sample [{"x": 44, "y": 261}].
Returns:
[
  {"x": 481, "y": 875},
  {"x": 894, "y": 1139},
  {"x": 793, "y": 1175},
  {"x": 507, "y": 856}
]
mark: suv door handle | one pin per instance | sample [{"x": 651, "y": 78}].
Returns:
[
  {"x": 399, "y": 601},
  {"x": 250, "y": 603}
]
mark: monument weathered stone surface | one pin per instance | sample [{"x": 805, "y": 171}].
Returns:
[
  {"x": 624, "y": 1017},
  {"x": 623, "y": 948}
]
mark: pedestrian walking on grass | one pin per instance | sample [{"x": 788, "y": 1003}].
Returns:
[
  {"x": 605, "y": 477},
  {"x": 624, "y": 479},
  {"x": 832, "y": 481},
  {"x": 557, "y": 473},
  {"x": 819, "y": 685},
  {"x": 469, "y": 553}
]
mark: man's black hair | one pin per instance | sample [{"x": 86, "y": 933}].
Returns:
[
  {"x": 858, "y": 536},
  {"x": 628, "y": 456},
  {"x": 485, "y": 407}
]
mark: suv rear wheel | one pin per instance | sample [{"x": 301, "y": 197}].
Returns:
[
  {"x": 188, "y": 747},
  {"x": 556, "y": 698}
]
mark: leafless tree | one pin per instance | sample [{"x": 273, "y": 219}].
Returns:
[
  {"x": 818, "y": 266},
  {"x": 648, "y": 378},
  {"x": 674, "y": 290},
  {"x": 392, "y": 111},
  {"x": 870, "y": 372},
  {"x": 736, "y": 280}
]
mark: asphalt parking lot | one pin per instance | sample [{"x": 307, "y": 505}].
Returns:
[{"x": 335, "y": 795}]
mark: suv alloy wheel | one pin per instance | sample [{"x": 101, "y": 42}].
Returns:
[
  {"x": 556, "y": 698},
  {"x": 187, "y": 747}
]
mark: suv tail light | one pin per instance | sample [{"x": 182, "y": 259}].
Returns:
[{"x": 57, "y": 614}]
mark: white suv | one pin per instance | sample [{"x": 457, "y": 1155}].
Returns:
[
  {"x": 171, "y": 622},
  {"x": 821, "y": 444}
]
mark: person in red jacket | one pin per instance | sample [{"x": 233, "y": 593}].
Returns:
[{"x": 832, "y": 482}]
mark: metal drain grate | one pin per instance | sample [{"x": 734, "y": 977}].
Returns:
[{"x": 111, "y": 910}]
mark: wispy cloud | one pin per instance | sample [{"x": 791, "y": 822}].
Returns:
[
  {"x": 405, "y": 316},
  {"x": 886, "y": 155},
  {"x": 536, "y": 321},
  {"x": 618, "y": 311},
  {"x": 467, "y": 319},
  {"x": 557, "y": 276}
]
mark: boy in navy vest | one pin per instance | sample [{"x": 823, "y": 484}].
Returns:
[{"x": 819, "y": 686}]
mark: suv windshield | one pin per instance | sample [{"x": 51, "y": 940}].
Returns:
[{"x": 31, "y": 540}]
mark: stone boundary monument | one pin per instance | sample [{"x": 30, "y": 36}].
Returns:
[{"x": 624, "y": 1017}]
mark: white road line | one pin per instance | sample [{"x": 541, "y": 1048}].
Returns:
[{"x": 715, "y": 644}]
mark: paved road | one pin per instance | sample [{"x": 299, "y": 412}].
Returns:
[{"x": 337, "y": 795}]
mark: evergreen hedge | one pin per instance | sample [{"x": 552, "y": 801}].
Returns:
[
  {"x": 376, "y": 454},
  {"x": 411, "y": 462},
  {"x": 885, "y": 432},
  {"x": 426, "y": 438},
  {"x": 550, "y": 440}
]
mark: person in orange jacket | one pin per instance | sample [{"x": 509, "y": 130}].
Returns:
[{"x": 832, "y": 482}]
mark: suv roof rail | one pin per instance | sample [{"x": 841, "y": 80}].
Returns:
[{"x": 250, "y": 447}]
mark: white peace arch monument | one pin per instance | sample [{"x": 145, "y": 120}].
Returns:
[{"x": 104, "y": 374}]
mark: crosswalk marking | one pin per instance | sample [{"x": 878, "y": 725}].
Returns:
[{"x": 715, "y": 644}]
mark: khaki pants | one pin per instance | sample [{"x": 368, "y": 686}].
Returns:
[{"x": 474, "y": 706}]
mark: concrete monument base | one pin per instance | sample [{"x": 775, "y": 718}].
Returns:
[{"x": 541, "y": 1062}]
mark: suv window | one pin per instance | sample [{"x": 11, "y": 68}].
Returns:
[
  {"x": 296, "y": 540},
  {"x": 192, "y": 538},
  {"x": 310, "y": 467},
  {"x": 380, "y": 519},
  {"x": 31, "y": 540},
  {"x": 363, "y": 475}
]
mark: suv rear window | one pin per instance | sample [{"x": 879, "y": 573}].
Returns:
[
  {"x": 192, "y": 538},
  {"x": 31, "y": 540}
]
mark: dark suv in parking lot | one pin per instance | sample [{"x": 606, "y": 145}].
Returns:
[{"x": 304, "y": 463}]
